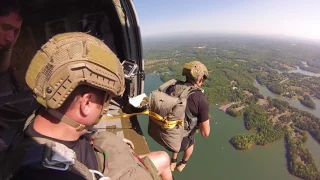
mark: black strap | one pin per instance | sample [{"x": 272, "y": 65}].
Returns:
[
  {"x": 191, "y": 120},
  {"x": 34, "y": 155},
  {"x": 37, "y": 150}
]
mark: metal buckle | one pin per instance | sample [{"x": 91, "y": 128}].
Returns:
[
  {"x": 80, "y": 127},
  {"x": 91, "y": 130},
  {"x": 61, "y": 157}
]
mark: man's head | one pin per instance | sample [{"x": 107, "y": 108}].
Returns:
[
  {"x": 75, "y": 72},
  {"x": 195, "y": 72},
  {"x": 11, "y": 17},
  {"x": 85, "y": 104}
]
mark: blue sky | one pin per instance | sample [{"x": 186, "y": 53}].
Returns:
[{"x": 298, "y": 18}]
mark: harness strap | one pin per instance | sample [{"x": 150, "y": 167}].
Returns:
[
  {"x": 188, "y": 91},
  {"x": 190, "y": 120},
  {"x": 164, "y": 123},
  {"x": 53, "y": 155},
  {"x": 29, "y": 120},
  {"x": 167, "y": 84},
  {"x": 192, "y": 123}
]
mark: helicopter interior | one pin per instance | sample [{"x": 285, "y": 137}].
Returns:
[{"x": 48, "y": 18}]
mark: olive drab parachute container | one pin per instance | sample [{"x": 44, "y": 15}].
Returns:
[
  {"x": 173, "y": 110},
  {"x": 121, "y": 162}
]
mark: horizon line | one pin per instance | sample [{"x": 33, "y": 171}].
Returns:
[{"x": 183, "y": 33}]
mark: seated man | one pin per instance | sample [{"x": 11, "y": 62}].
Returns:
[
  {"x": 11, "y": 18},
  {"x": 73, "y": 76}
]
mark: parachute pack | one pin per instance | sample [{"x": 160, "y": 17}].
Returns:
[
  {"x": 173, "y": 108},
  {"x": 167, "y": 122}
]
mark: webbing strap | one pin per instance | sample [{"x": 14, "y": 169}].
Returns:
[
  {"x": 54, "y": 155},
  {"x": 29, "y": 120},
  {"x": 83, "y": 170},
  {"x": 192, "y": 123},
  {"x": 33, "y": 155},
  {"x": 187, "y": 91},
  {"x": 164, "y": 123},
  {"x": 167, "y": 84},
  {"x": 146, "y": 112},
  {"x": 65, "y": 119}
]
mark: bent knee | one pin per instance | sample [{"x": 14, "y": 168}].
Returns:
[
  {"x": 165, "y": 156},
  {"x": 161, "y": 159}
]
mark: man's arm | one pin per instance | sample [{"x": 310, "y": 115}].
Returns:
[
  {"x": 203, "y": 118},
  {"x": 205, "y": 128}
]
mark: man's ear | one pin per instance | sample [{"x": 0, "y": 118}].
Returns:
[
  {"x": 85, "y": 103},
  {"x": 106, "y": 103}
]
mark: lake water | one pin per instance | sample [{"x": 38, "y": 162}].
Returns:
[
  {"x": 311, "y": 143},
  {"x": 215, "y": 158}
]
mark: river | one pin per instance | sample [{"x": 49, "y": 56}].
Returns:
[
  {"x": 215, "y": 158},
  {"x": 298, "y": 70},
  {"x": 293, "y": 102}
]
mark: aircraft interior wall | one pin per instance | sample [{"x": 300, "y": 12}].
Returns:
[{"x": 92, "y": 17}]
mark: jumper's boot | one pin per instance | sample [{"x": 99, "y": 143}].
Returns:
[
  {"x": 173, "y": 166},
  {"x": 181, "y": 166}
]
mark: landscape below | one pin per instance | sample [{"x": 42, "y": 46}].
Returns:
[{"x": 234, "y": 64}]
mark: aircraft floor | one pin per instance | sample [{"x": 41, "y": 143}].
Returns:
[{"x": 124, "y": 128}]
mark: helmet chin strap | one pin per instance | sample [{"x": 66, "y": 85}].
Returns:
[{"x": 79, "y": 127}]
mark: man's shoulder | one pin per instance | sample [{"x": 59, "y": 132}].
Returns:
[
  {"x": 199, "y": 98},
  {"x": 198, "y": 94}
]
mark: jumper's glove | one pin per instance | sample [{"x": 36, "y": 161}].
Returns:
[
  {"x": 140, "y": 101},
  {"x": 144, "y": 102}
]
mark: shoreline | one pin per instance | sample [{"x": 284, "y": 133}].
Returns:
[
  {"x": 225, "y": 106},
  {"x": 251, "y": 146},
  {"x": 254, "y": 144}
]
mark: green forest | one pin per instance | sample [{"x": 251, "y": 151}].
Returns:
[
  {"x": 307, "y": 101},
  {"x": 255, "y": 118},
  {"x": 300, "y": 161}
]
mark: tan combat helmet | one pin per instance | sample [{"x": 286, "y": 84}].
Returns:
[
  {"x": 195, "y": 70},
  {"x": 71, "y": 59}
]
